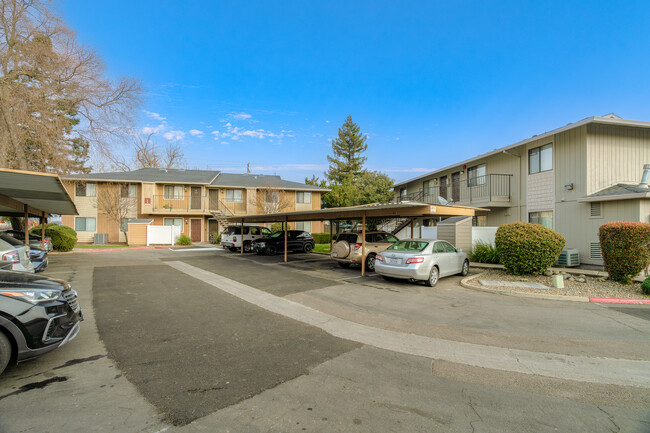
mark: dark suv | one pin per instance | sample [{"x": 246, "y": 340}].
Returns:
[
  {"x": 37, "y": 315},
  {"x": 297, "y": 240}
]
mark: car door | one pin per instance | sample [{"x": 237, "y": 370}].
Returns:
[
  {"x": 455, "y": 258},
  {"x": 293, "y": 243},
  {"x": 450, "y": 259}
]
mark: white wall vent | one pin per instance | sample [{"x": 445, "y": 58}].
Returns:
[
  {"x": 594, "y": 251},
  {"x": 596, "y": 209}
]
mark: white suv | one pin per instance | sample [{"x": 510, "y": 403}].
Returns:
[{"x": 231, "y": 237}]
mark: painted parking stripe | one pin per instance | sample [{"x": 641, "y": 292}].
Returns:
[{"x": 581, "y": 368}]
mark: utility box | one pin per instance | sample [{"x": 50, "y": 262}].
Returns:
[
  {"x": 457, "y": 231},
  {"x": 100, "y": 239},
  {"x": 569, "y": 258}
]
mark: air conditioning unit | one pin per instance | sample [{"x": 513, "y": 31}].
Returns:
[
  {"x": 569, "y": 258},
  {"x": 100, "y": 239}
]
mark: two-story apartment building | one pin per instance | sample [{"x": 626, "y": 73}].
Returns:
[
  {"x": 572, "y": 179},
  {"x": 195, "y": 200}
]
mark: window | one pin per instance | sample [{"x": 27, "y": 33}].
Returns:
[
  {"x": 303, "y": 197},
  {"x": 540, "y": 159},
  {"x": 438, "y": 247},
  {"x": 304, "y": 225},
  {"x": 402, "y": 193},
  {"x": 82, "y": 224},
  {"x": 265, "y": 231},
  {"x": 269, "y": 196},
  {"x": 476, "y": 175},
  {"x": 449, "y": 247},
  {"x": 255, "y": 231},
  {"x": 173, "y": 192},
  {"x": 428, "y": 187},
  {"x": 544, "y": 218},
  {"x": 128, "y": 190},
  {"x": 234, "y": 195},
  {"x": 86, "y": 190},
  {"x": 408, "y": 246},
  {"x": 178, "y": 222},
  {"x": 125, "y": 223},
  {"x": 479, "y": 221}
]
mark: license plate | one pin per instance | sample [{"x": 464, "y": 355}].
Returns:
[{"x": 393, "y": 261}]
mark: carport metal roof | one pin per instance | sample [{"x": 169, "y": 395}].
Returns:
[
  {"x": 33, "y": 193},
  {"x": 379, "y": 210},
  {"x": 376, "y": 210}
]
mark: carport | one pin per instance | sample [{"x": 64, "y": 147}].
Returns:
[
  {"x": 378, "y": 210},
  {"x": 28, "y": 193}
]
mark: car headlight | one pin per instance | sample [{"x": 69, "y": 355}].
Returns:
[{"x": 32, "y": 296}]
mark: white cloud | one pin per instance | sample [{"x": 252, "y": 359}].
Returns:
[
  {"x": 396, "y": 138},
  {"x": 155, "y": 116},
  {"x": 152, "y": 129},
  {"x": 174, "y": 135},
  {"x": 196, "y": 133},
  {"x": 241, "y": 116}
]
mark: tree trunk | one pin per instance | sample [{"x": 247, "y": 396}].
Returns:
[{"x": 17, "y": 223}]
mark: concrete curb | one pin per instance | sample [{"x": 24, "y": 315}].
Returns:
[{"x": 465, "y": 283}]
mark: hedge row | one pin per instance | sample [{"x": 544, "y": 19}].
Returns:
[
  {"x": 625, "y": 247},
  {"x": 526, "y": 248},
  {"x": 321, "y": 238},
  {"x": 63, "y": 238}
]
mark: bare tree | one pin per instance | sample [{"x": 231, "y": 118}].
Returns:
[
  {"x": 146, "y": 154},
  {"x": 56, "y": 105},
  {"x": 270, "y": 199},
  {"x": 113, "y": 200}
]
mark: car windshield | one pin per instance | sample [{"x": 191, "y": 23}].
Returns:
[
  {"x": 410, "y": 246},
  {"x": 277, "y": 235}
]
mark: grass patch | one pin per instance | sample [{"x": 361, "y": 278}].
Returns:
[{"x": 322, "y": 248}]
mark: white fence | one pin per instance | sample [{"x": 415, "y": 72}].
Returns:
[
  {"x": 162, "y": 235},
  {"x": 484, "y": 234},
  {"x": 479, "y": 234}
]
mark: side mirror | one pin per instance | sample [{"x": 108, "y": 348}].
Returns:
[{"x": 459, "y": 250}]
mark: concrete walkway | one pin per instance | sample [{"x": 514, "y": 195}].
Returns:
[{"x": 623, "y": 372}]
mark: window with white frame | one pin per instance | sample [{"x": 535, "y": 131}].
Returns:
[
  {"x": 544, "y": 218},
  {"x": 234, "y": 195},
  {"x": 476, "y": 175},
  {"x": 428, "y": 187},
  {"x": 128, "y": 190},
  {"x": 303, "y": 197},
  {"x": 540, "y": 159},
  {"x": 178, "y": 222},
  {"x": 402, "y": 193},
  {"x": 85, "y": 224},
  {"x": 86, "y": 189},
  {"x": 173, "y": 192},
  {"x": 271, "y": 196},
  {"x": 304, "y": 225}
]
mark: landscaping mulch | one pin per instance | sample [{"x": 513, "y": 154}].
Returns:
[{"x": 595, "y": 287}]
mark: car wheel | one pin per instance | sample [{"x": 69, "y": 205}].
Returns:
[
  {"x": 465, "y": 269},
  {"x": 370, "y": 262},
  {"x": 5, "y": 351},
  {"x": 434, "y": 275},
  {"x": 307, "y": 248},
  {"x": 248, "y": 248},
  {"x": 344, "y": 265},
  {"x": 271, "y": 250}
]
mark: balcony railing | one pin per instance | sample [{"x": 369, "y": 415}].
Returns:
[
  {"x": 196, "y": 204},
  {"x": 483, "y": 190}
]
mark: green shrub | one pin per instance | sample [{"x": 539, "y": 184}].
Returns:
[
  {"x": 69, "y": 230},
  {"x": 217, "y": 238},
  {"x": 63, "y": 237},
  {"x": 484, "y": 252},
  {"x": 184, "y": 239},
  {"x": 645, "y": 286},
  {"x": 625, "y": 247},
  {"x": 526, "y": 248},
  {"x": 278, "y": 227},
  {"x": 321, "y": 238}
]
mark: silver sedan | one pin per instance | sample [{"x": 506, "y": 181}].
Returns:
[{"x": 421, "y": 259}]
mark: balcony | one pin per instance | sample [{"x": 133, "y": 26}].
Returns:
[
  {"x": 199, "y": 205},
  {"x": 491, "y": 190}
]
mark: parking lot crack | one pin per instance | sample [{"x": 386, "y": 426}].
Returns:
[{"x": 611, "y": 419}]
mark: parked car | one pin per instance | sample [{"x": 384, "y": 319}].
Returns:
[
  {"x": 15, "y": 253},
  {"x": 297, "y": 240},
  {"x": 347, "y": 249},
  {"x": 37, "y": 315},
  {"x": 34, "y": 239},
  {"x": 423, "y": 260},
  {"x": 38, "y": 258},
  {"x": 231, "y": 237}
]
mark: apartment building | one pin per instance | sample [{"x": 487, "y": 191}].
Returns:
[
  {"x": 572, "y": 179},
  {"x": 197, "y": 201}
]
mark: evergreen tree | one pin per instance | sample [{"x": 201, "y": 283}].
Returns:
[{"x": 347, "y": 162}]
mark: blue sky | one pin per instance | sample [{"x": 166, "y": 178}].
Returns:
[{"x": 431, "y": 83}]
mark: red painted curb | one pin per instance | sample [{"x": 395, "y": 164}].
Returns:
[
  {"x": 98, "y": 250},
  {"x": 619, "y": 301}
]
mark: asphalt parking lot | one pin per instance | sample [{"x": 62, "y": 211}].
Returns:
[{"x": 164, "y": 350}]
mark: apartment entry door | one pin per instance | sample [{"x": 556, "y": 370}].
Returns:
[
  {"x": 195, "y": 229},
  {"x": 455, "y": 187},
  {"x": 195, "y": 197},
  {"x": 214, "y": 199}
]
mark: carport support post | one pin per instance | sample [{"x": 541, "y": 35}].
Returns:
[
  {"x": 412, "y": 229},
  {"x": 286, "y": 223},
  {"x": 331, "y": 241},
  {"x": 242, "y": 236},
  {"x": 43, "y": 230},
  {"x": 363, "y": 244},
  {"x": 26, "y": 225}
]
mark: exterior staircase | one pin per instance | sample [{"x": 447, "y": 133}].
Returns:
[{"x": 221, "y": 213}]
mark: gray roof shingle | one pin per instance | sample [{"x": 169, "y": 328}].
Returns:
[
  {"x": 260, "y": 180},
  {"x": 619, "y": 189}
]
